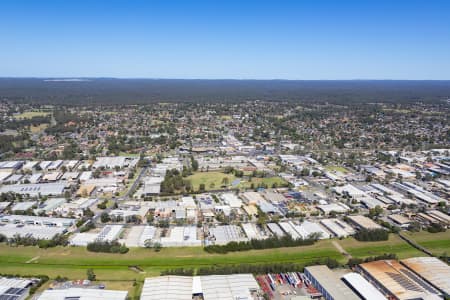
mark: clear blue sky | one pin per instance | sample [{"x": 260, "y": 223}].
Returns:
[{"x": 315, "y": 39}]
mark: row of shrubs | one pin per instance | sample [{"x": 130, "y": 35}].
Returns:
[
  {"x": 365, "y": 235},
  {"x": 107, "y": 247},
  {"x": 17, "y": 240},
  {"x": 252, "y": 268},
  {"x": 273, "y": 242}
]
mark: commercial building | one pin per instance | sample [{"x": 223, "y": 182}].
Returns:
[{"x": 329, "y": 284}]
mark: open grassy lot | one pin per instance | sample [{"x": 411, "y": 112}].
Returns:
[
  {"x": 437, "y": 243},
  {"x": 213, "y": 181},
  {"x": 337, "y": 169},
  {"x": 269, "y": 181},
  {"x": 39, "y": 128},
  {"x": 394, "y": 245},
  {"x": 31, "y": 114},
  {"x": 74, "y": 261}
]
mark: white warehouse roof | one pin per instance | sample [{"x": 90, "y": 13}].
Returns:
[
  {"x": 363, "y": 287},
  {"x": 83, "y": 294}
]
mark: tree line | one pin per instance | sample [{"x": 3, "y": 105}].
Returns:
[
  {"x": 107, "y": 247},
  {"x": 366, "y": 235},
  {"x": 272, "y": 242},
  {"x": 252, "y": 268}
]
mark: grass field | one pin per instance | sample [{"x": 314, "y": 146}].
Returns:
[
  {"x": 437, "y": 243},
  {"x": 39, "y": 128},
  {"x": 74, "y": 261},
  {"x": 114, "y": 269},
  {"x": 31, "y": 114},
  {"x": 394, "y": 245},
  {"x": 337, "y": 169},
  {"x": 213, "y": 181}
]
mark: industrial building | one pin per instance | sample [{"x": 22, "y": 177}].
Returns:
[
  {"x": 14, "y": 288},
  {"x": 181, "y": 237},
  {"x": 397, "y": 281},
  {"x": 363, "y": 222},
  {"x": 35, "y": 190},
  {"x": 108, "y": 233},
  {"x": 82, "y": 294},
  {"x": 275, "y": 229},
  {"x": 364, "y": 289},
  {"x": 433, "y": 270},
  {"x": 223, "y": 234},
  {"x": 211, "y": 287},
  {"x": 329, "y": 283},
  {"x": 308, "y": 229},
  {"x": 36, "y": 220},
  {"x": 338, "y": 227},
  {"x": 35, "y": 231}
]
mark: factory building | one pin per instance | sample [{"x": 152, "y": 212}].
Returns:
[
  {"x": 211, "y": 287},
  {"x": 329, "y": 284},
  {"x": 82, "y": 294},
  {"x": 432, "y": 270},
  {"x": 396, "y": 280}
]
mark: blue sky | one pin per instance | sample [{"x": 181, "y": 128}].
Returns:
[{"x": 315, "y": 39}]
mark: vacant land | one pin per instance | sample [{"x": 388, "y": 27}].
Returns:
[
  {"x": 74, "y": 261},
  {"x": 337, "y": 169},
  {"x": 437, "y": 243},
  {"x": 269, "y": 182},
  {"x": 38, "y": 128},
  {"x": 31, "y": 114},
  {"x": 394, "y": 245},
  {"x": 211, "y": 180},
  {"x": 215, "y": 181}
]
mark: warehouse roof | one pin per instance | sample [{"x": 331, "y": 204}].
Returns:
[
  {"x": 83, "y": 294},
  {"x": 228, "y": 287},
  {"x": 364, "y": 222},
  {"x": 432, "y": 270},
  {"x": 167, "y": 288},
  {"x": 331, "y": 283},
  {"x": 363, "y": 287},
  {"x": 43, "y": 189},
  {"x": 212, "y": 287},
  {"x": 397, "y": 279}
]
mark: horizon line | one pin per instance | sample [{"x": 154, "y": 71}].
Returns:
[{"x": 75, "y": 78}]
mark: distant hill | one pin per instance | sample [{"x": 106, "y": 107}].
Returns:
[{"x": 138, "y": 91}]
